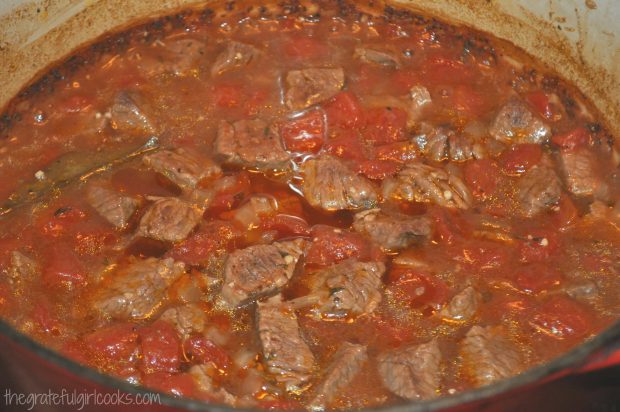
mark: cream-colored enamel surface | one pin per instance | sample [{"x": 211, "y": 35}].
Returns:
[{"x": 580, "y": 39}]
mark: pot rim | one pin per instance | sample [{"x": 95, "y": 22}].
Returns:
[{"x": 607, "y": 340}]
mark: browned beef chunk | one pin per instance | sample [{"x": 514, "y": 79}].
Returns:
[
  {"x": 423, "y": 183},
  {"x": 187, "y": 319},
  {"x": 135, "y": 290},
  {"x": 539, "y": 189},
  {"x": 201, "y": 374},
  {"x": 181, "y": 167},
  {"x": 130, "y": 113},
  {"x": 443, "y": 143},
  {"x": 181, "y": 56},
  {"x": 412, "y": 372},
  {"x": 515, "y": 123},
  {"x": 580, "y": 170},
  {"x": 259, "y": 270},
  {"x": 113, "y": 206},
  {"x": 463, "y": 305},
  {"x": 234, "y": 56},
  {"x": 330, "y": 185},
  {"x": 251, "y": 143},
  {"x": 392, "y": 232},
  {"x": 169, "y": 219},
  {"x": 345, "y": 289},
  {"x": 285, "y": 353},
  {"x": 345, "y": 364},
  {"x": 308, "y": 87},
  {"x": 376, "y": 57},
  {"x": 488, "y": 355}
]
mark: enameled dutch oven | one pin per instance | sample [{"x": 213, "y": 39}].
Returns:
[{"x": 579, "y": 39}]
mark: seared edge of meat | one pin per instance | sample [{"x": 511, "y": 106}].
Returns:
[
  {"x": 285, "y": 353},
  {"x": 345, "y": 364},
  {"x": 135, "y": 290},
  {"x": 412, "y": 372},
  {"x": 392, "y": 232},
  {"x": 259, "y": 270},
  {"x": 182, "y": 168},
  {"x": 488, "y": 355},
  {"x": 330, "y": 185},
  {"x": 424, "y": 183}
]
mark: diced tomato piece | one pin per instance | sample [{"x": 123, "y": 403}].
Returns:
[
  {"x": 288, "y": 203},
  {"x": 331, "y": 245},
  {"x": 77, "y": 103},
  {"x": 561, "y": 317},
  {"x": 231, "y": 196},
  {"x": 575, "y": 138},
  {"x": 537, "y": 277},
  {"x": 61, "y": 221},
  {"x": 520, "y": 158},
  {"x": 200, "y": 349},
  {"x": 538, "y": 245},
  {"x": 385, "y": 125},
  {"x": 62, "y": 267},
  {"x": 481, "y": 175},
  {"x": 484, "y": 254},
  {"x": 379, "y": 169},
  {"x": 227, "y": 95},
  {"x": 447, "y": 70},
  {"x": 344, "y": 111},
  {"x": 346, "y": 145},
  {"x": 43, "y": 316},
  {"x": 467, "y": 101},
  {"x": 304, "y": 47},
  {"x": 398, "y": 151},
  {"x": 210, "y": 238},
  {"x": 416, "y": 289},
  {"x": 540, "y": 101},
  {"x": 304, "y": 134},
  {"x": 161, "y": 347},
  {"x": 405, "y": 79},
  {"x": 286, "y": 225},
  {"x": 115, "y": 342},
  {"x": 178, "y": 384},
  {"x": 567, "y": 212},
  {"x": 449, "y": 225}
]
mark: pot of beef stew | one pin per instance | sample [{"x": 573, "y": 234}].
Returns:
[{"x": 310, "y": 206}]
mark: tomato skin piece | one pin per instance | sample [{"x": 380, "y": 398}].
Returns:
[
  {"x": 567, "y": 212},
  {"x": 385, "y": 125},
  {"x": 483, "y": 255},
  {"x": 304, "y": 134},
  {"x": 62, "y": 267},
  {"x": 346, "y": 145},
  {"x": 202, "y": 350},
  {"x": 536, "y": 278},
  {"x": 116, "y": 342},
  {"x": 449, "y": 225},
  {"x": 520, "y": 158},
  {"x": 286, "y": 225},
  {"x": 331, "y": 246},
  {"x": 178, "y": 384},
  {"x": 230, "y": 197},
  {"x": 210, "y": 238},
  {"x": 160, "y": 347},
  {"x": 576, "y": 138},
  {"x": 379, "y": 169},
  {"x": 416, "y": 289},
  {"x": 561, "y": 317},
  {"x": 344, "y": 111},
  {"x": 481, "y": 176},
  {"x": 540, "y": 101}
]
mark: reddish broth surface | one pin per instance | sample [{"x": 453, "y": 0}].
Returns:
[{"x": 547, "y": 279}]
